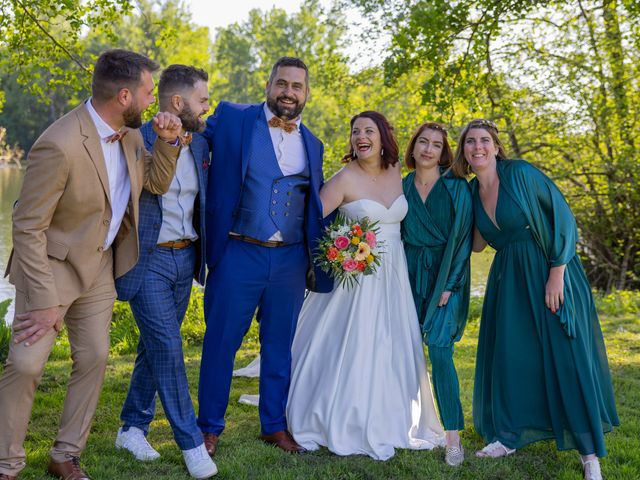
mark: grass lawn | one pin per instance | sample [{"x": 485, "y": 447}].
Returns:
[{"x": 242, "y": 456}]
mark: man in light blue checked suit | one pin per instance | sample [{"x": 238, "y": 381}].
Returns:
[{"x": 171, "y": 236}]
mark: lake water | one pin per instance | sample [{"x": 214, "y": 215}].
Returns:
[
  {"x": 11, "y": 180},
  {"x": 10, "y": 183}
]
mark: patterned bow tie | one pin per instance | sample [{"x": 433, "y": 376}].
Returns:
[
  {"x": 277, "y": 122},
  {"x": 116, "y": 137},
  {"x": 185, "y": 140}
]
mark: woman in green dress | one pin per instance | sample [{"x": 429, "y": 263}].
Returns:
[
  {"x": 541, "y": 369},
  {"x": 437, "y": 233}
]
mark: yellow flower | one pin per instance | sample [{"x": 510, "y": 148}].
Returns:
[
  {"x": 363, "y": 252},
  {"x": 369, "y": 258},
  {"x": 340, "y": 257},
  {"x": 355, "y": 240}
]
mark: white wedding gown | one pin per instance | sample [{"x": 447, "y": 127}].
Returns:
[{"x": 359, "y": 383}]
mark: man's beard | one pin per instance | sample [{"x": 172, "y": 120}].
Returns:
[
  {"x": 132, "y": 117},
  {"x": 190, "y": 121},
  {"x": 285, "y": 113}
]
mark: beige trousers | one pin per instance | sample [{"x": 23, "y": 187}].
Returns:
[{"x": 87, "y": 320}]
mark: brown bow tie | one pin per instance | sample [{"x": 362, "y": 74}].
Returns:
[
  {"x": 116, "y": 137},
  {"x": 277, "y": 122},
  {"x": 185, "y": 140}
]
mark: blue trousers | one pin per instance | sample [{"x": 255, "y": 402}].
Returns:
[
  {"x": 159, "y": 308},
  {"x": 249, "y": 277}
]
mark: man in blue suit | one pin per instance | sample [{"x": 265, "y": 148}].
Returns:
[
  {"x": 263, "y": 219},
  {"x": 158, "y": 288}
]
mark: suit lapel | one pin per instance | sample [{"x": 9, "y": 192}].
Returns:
[
  {"x": 131, "y": 155},
  {"x": 196, "y": 152},
  {"x": 313, "y": 155},
  {"x": 93, "y": 147},
  {"x": 251, "y": 117}
]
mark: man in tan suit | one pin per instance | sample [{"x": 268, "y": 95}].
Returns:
[{"x": 74, "y": 229}]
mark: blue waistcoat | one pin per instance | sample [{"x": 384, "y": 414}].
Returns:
[{"x": 270, "y": 201}]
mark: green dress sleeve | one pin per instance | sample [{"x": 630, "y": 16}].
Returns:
[{"x": 551, "y": 221}]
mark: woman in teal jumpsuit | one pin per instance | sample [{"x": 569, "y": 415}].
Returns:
[
  {"x": 437, "y": 242},
  {"x": 541, "y": 369}
]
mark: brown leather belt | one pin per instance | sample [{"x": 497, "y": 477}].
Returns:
[
  {"x": 177, "y": 244},
  {"x": 255, "y": 241}
]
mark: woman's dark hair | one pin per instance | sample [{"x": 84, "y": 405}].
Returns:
[
  {"x": 461, "y": 167},
  {"x": 446, "y": 158},
  {"x": 387, "y": 139}
]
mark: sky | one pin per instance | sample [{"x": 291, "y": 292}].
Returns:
[{"x": 221, "y": 13}]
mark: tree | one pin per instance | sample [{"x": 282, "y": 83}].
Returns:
[
  {"x": 162, "y": 30},
  {"x": 245, "y": 52},
  {"x": 42, "y": 36},
  {"x": 560, "y": 79}
]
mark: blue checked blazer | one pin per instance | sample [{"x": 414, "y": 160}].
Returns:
[{"x": 151, "y": 219}]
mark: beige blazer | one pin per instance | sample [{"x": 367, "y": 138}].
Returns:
[{"x": 62, "y": 216}]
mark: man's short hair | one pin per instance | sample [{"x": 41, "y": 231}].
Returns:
[
  {"x": 175, "y": 78},
  {"x": 289, "y": 62},
  {"x": 117, "y": 69}
]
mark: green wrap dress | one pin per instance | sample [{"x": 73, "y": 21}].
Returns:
[
  {"x": 539, "y": 375},
  {"x": 437, "y": 240}
]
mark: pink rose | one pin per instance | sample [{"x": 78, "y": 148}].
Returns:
[
  {"x": 370, "y": 238},
  {"x": 349, "y": 265},
  {"x": 341, "y": 242}
]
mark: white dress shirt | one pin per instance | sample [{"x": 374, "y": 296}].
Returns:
[
  {"x": 289, "y": 147},
  {"x": 178, "y": 202},
  {"x": 117, "y": 173}
]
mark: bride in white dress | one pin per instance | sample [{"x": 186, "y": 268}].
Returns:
[{"x": 359, "y": 383}]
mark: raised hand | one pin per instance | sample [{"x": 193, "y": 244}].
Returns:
[{"x": 168, "y": 126}]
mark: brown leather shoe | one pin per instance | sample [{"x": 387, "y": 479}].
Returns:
[
  {"x": 69, "y": 470},
  {"x": 210, "y": 443},
  {"x": 4, "y": 476},
  {"x": 283, "y": 440}
]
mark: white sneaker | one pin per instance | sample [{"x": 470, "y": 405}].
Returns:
[
  {"x": 135, "y": 441},
  {"x": 199, "y": 462},
  {"x": 591, "y": 469}
]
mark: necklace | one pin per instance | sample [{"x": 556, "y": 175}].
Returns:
[
  {"x": 423, "y": 183},
  {"x": 373, "y": 178}
]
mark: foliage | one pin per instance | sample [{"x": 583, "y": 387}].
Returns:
[
  {"x": 40, "y": 40},
  {"x": 5, "y": 330},
  {"x": 618, "y": 303},
  {"x": 193, "y": 325},
  {"x": 124, "y": 332},
  {"x": 161, "y": 29},
  {"x": 245, "y": 52},
  {"x": 560, "y": 80}
]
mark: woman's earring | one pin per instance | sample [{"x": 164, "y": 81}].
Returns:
[{"x": 382, "y": 152}]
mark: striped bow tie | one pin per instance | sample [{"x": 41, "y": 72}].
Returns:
[{"x": 277, "y": 122}]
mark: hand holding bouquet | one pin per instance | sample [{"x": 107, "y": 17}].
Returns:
[{"x": 349, "y": 249}]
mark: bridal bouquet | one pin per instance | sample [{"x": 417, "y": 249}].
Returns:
[{"x": 348, "y": 249}]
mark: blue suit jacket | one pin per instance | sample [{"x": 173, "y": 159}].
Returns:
[
  {"x": 229, "y": 132},
  {"x": 151, "y": 219}
]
